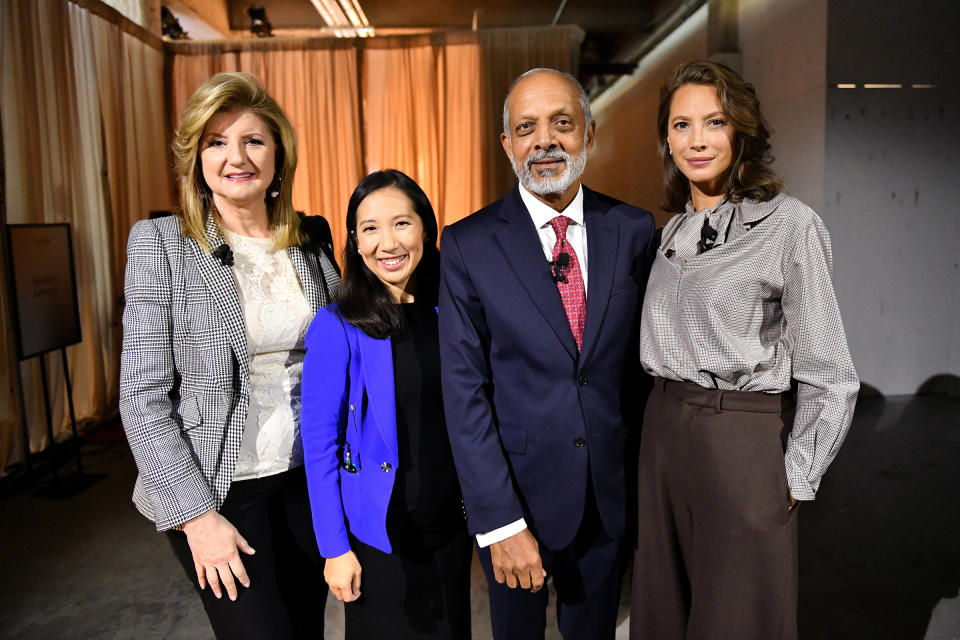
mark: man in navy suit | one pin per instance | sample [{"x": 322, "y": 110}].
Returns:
[{"x": 538, "y": 309}]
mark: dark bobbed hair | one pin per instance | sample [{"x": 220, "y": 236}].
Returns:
[
  {"x": 750, "y": 174},
  {"x": 363, "y": 300}
]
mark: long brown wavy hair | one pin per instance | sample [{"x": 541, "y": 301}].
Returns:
[
  {"x": 750, "y": 174},
  {"x": 223, "y": 92}
]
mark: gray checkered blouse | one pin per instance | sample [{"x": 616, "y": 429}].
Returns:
[{"x": 753, "y": 313}]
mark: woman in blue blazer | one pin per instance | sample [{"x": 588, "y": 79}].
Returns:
[{"x": 383, "y": 489}]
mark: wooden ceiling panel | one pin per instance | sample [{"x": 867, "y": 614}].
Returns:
[{"x": 591, "y": 15}]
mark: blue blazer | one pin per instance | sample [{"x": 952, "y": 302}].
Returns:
[
  {"x": 348, "y": 400},
  {"x": 525, "y": 411}
]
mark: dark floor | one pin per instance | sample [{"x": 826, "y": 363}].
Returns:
[{"x": 879, "y": 558}]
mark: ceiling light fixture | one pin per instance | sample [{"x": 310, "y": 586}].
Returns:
[
  {"x": 345, "y": 17},
  {"x": 259, "y": 24}
]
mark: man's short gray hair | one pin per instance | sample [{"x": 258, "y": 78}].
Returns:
[{"x": 584, "y": 100}]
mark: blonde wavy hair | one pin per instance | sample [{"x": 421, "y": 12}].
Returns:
[{"x": 234, "y": 92}]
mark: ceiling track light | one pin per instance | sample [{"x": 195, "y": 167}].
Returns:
[
  {"x": 868, "y": 85},
  {"x": 345, "y": 17},
  {"x": 259, "y": 24}
]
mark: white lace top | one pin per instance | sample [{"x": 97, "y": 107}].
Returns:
[{"x": 276, "y": 315}]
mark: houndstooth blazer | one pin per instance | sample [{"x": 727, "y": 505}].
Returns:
[{"x": 184, "y": 370}]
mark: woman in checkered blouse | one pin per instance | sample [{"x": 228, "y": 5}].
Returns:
[
  {"x": 218, "y": 300},
  {"x": 755, "y": 388}
]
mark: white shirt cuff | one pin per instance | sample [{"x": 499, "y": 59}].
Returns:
[{"x": 501, "y": 533}]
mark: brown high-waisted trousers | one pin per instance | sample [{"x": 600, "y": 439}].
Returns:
[{"x": 717, "y": 543}]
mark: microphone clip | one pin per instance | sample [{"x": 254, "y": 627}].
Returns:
[
  {"x": 223, "y": 254},
  {"x": 559, "y": 266}
]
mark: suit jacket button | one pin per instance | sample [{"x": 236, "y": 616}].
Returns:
[
  {"x": 386, "y": 466},
  {"x": 579, "y": 442},
  {"x": 583, "y": 380}
]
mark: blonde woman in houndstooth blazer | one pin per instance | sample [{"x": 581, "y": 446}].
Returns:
[{"x": 218, "y": 300}]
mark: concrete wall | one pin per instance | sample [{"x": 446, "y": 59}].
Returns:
[
  {"x": 880, "y": 166},
  {"x": 783, "y": 46},
  {"x": 892, "y": 184},
  {"x": 625, "y": 163}
]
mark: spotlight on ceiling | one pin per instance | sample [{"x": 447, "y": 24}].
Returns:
[
  {"x": 170, "y": 26},
  {"x": 259, "y": 25}
]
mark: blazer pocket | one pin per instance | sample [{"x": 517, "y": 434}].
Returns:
[
  {"x": 513, "y": 440},
  {"x": 190, "y": 412}
]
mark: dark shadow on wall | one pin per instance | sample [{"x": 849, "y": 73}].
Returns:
[{"x": 880, "y": 547}]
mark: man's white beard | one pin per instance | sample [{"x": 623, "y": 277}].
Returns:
[{"x": 573, "y": 169}]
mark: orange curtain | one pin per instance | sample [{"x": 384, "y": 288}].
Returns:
[
  {"x": 89, "y": 104},
  {"x": 84, "y": 139},
  {"x": 506, "y": 54},
  {"x": 318, "y": 89},
  {"x": 426, "y": 105},
  {"x": 421, "y": 110}
]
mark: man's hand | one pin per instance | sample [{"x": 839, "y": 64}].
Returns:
[
  {"x": 214, "y": 543},
  {"x": 343, "y": 576},
  {"x": 516, "y": 560}
]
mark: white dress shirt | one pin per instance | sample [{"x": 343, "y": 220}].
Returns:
[{"x": 542, "y": 214}]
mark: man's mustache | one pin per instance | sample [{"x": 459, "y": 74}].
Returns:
[{"x": 543, "y": 154}]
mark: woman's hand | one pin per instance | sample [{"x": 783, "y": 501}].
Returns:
[
  {"x": 343, "y": 576},
  {"x": 214, "y": 543}
]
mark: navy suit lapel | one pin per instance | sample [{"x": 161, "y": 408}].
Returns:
[
  {"x": 376, "y": 360},
  {"x": 223, "y": 289},
  {"x": 521, "y": 246},
  {"x": 603, "y": 239}
]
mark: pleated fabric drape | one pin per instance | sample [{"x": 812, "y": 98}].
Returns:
[
  {"x": 88, "y": 109},
  {"x": 422, "y": 107},
  {"x": 84, "y": 139},
  {"x": 318, "y": 89},
  {"x": 426, "y": 105}
]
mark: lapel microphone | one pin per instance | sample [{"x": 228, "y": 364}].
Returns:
[
  {"x": 708, "y": 237},
  {"x": 223, "y": 254},
  {"x": 559, "y": 266}
]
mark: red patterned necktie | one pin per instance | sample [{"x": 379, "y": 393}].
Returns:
[{"x": 571, "y": 287}]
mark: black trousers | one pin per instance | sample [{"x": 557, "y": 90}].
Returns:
[
  {"x": 587, "y": 576},
  {"x": 287, "y": 591},
  {"x": 716, "y": 554},
  {"x": 416, "y": 592}
]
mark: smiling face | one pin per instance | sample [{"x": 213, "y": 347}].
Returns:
[
  {"x": 701, "y": 139},
  {"x": 390, "y": 239},
  {"x": 548, "y": 139},
  {"x": 238, "y": 157}
]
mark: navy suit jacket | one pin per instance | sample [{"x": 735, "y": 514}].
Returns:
[
  {"x": 525, "y": 411},
  {"x": 348, "y": 399}
]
